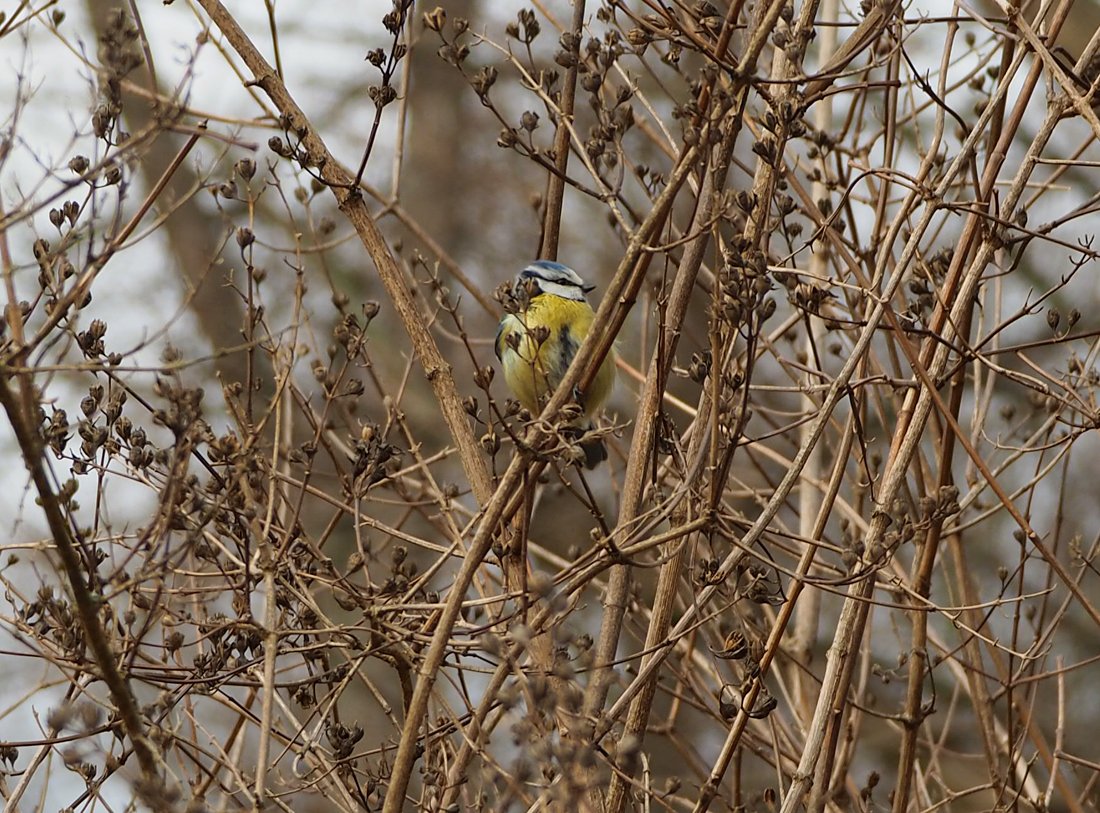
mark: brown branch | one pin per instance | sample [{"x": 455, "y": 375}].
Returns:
[
  {"x": 555, "y": 184},
  {"x": 350, "y": 199},
  {"x": 20, "y": 411}
]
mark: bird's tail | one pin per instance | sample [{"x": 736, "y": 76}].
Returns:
[{"x": 595, "y": 452}]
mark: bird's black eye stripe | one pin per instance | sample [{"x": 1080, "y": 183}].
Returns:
[{"x": 556, "y": 274}]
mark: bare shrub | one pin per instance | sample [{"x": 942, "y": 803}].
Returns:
[{"x": 285, "y": 542}]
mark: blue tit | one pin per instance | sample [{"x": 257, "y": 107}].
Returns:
[{"x": 536, "y": 345}]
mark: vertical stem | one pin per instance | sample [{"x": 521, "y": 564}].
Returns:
[
  {"x": 555, "y": 183},
  {"x": 805, "y": 626},
  {"x": 19, "y": 408}
]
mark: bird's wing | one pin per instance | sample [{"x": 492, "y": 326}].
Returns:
[{"x": 497, "y": 341}]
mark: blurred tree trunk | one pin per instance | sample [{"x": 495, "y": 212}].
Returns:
[{"x": 436, "y": 194}]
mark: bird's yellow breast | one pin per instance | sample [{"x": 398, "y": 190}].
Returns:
[{"x": 532, "y": 370}]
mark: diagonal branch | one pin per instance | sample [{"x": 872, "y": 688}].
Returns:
[{"x": 350, "y": 199}]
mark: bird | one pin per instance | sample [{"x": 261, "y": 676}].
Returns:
[{"x": 537, "y": 341}]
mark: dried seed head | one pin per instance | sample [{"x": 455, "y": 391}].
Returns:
[
  {"x": 279, "y": 147},
  {"x": 483, "y": 80},
  {"x": 483, "y": 377},
  {"x": 540, "y": 334},
  {"x": 529, "y": 120},
  {"x": 490, "y": 442},
  {"x": 246, "y": 168}
]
